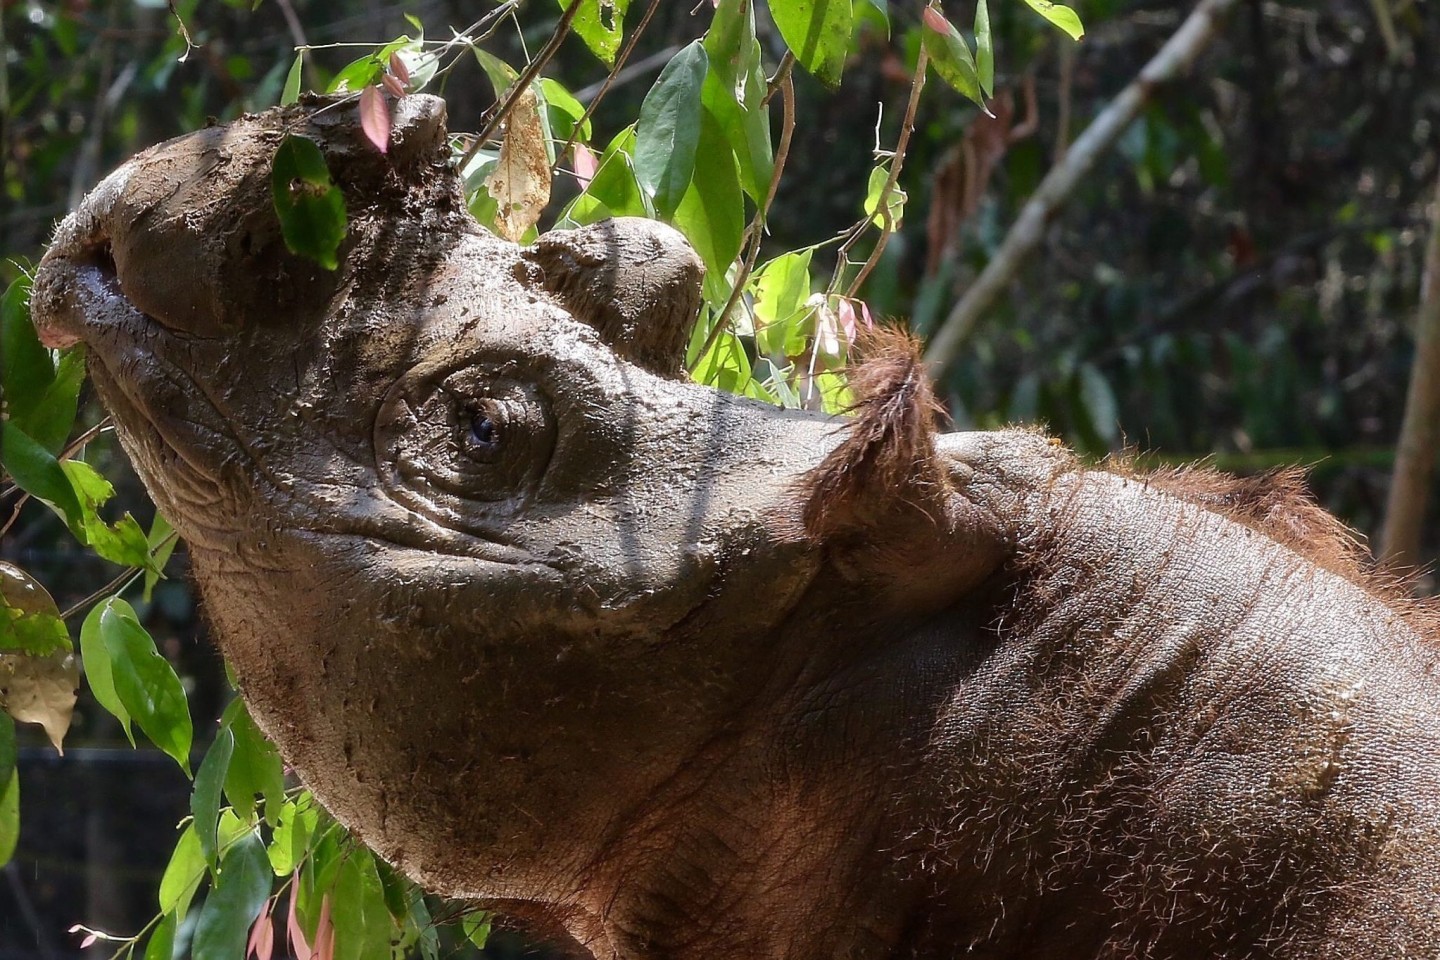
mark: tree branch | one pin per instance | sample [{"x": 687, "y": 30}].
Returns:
[
  {"x": 1174, "y": 58},
  {"x": 1420, "y": 429}
]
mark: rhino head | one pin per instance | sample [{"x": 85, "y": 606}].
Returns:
[{"x": 489, "y": 569}]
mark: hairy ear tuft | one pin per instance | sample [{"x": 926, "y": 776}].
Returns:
[{"x": 887, "y": 459}]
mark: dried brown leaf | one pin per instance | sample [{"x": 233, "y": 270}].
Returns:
[{"x": 520, "y": 183}]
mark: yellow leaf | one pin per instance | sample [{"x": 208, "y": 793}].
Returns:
[
  {"x": 520, "y": 183},
  {"x": 40, "y": 689}
]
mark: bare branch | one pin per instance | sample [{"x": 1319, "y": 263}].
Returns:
[{"x": 1174, "y": 58}]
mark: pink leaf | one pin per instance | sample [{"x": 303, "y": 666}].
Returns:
[
  {"x": 375, "y": 118},
  {"x": 865, "y": 315},
  {"x": 88, "y": 940},
  {"x": 398, "y": 68},
  {"x": 846, "y": 314},
  {"x": 262, "y": 937},
  {"x": 585, "y": 165},
  {"x": 77, "y": 928},
  {"x": 936, "y": 21},
  {"x": 324, "y": 933},
  {"x": 292, "y": 926},
  {"x": 396, "y": 88}
]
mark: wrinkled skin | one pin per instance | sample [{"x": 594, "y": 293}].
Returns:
[{"x": 583, "y": 662}]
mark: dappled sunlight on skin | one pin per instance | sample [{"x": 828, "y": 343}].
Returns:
[{"x": 688, "y": 675}]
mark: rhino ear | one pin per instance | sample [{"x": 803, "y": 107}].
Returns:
[
  {"x": 635, "y": 281},
  {"x": 887, "y": 509}
]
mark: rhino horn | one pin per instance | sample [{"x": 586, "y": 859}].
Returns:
[{"x": 635, "y": 281}]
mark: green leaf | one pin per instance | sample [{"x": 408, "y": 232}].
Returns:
[
  {"x": 122, "y": 542},
  {"x": 725, "y": 366},
  {"x": 711, "y": 214},
  {"x": 310, "y": 207},
  {"x": 614, "y": 191},
  {"x": 669, "y": 129},
  {"x": 563, "y": 111},
  {"x": 894, "y": 201},
  {"x": 161, "y": 945},
  {"x": 734, "y": 90},
  {"x": 357, "y": 75},
  {"x": 182, "y": 874},
  {"x": 817, "y": 32},
  {"x": 146, "y": 683},
  {"x": 96, "y": 657},
  {"x": 501, "y": 74},
  {"x": 37, "y": 633},
  {"x": 476, "y": 927},
  {"x": 255, "y": 767},
  {"x": 362, "y": 920},
  {"x": 291, "y": 92},
  {"x": 396, "y": 889},
  {"x": 984, "y": 49},
  {"x": 232, "y": 908},
  {"x": 1060, "y": 15},
  {"x": 950, "y": 55},
  {"x": 600, "y": 23},
  {"x": 161, "y": 546},
  {"x": 294, "y": 825},
  {"x": 8, "y": 752},
  {"x": 782, "y": 295},
  {"x": 36, "y": 471},
  {"x": 38, "y": 394},
  {"x": 205, "y": 797},
  {"x": 9, "y": 818}
]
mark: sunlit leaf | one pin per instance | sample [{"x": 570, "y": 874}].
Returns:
[
  {"x": 711, "y": 214},
  {"x": 291, "y": 90},
  {"x": 984, "y": 49},
  {"x": 182, "y": 874},
  {"x": 501, "y": 74},
  {"x": 361, "y": 918},
  {"x": 817, "y": 32},
  {"x": 614, "y": 191},
  {"x": 146, "y": 683},
  {"x": 782, "y": 292},
  {"x": 894, "y": 200},
  {"x": 29, "y": 620},
  {"x": 950, "y": 55},
  {"x": 476, "y": 927},
  {"x": 309, "y": 205},
  {"x": 520, "y": 181},
  {"x": 669, "y": 129},
  {"x": 725, "y": 365},
  {"x": 239, "y": 895},
  {"x": 122, "y": 542},
  {"x": 9, "y": 819},
  {"x": 1060, "y": 15},
  {"x": 600, "y": 24},
  {"x": 40, "y": 689},
  {"x": 734, "y": 92},
  {"x": 295, "y": 823},
  {"x": 563, "y": 111},
  {"x": 375, "y": 118},
  {"x": 98, "y": 673},
  {"x": 161, "y": 945},
  {"x": 161, "y": 545}
]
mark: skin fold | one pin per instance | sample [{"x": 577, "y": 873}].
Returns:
[{"x": 670, "y": 673}]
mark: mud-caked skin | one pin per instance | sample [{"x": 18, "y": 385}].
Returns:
[{"x": 549, "y": 626}]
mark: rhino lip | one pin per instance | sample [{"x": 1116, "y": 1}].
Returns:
[{"x": 73, "y": 290}]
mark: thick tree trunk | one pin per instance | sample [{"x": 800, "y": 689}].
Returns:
[
  {"x": 1174, "y": 58},
  {"x": 1420, "y": 431}
]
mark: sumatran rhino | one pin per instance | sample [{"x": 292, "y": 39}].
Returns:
[{"x": 685, "y": 675}]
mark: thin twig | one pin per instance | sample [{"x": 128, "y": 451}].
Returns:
[
  {"x": 887, "y": 226},
  {"x": 756, "y": 229},
  {"x": 14, "y": 514},
  {"x": 609, "y": 79},
  {"x": 518, "y": 88},
  {"x": 122, "y": 581}
]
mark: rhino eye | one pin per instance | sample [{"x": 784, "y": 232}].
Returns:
[{"x": 447, "y": 442}]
